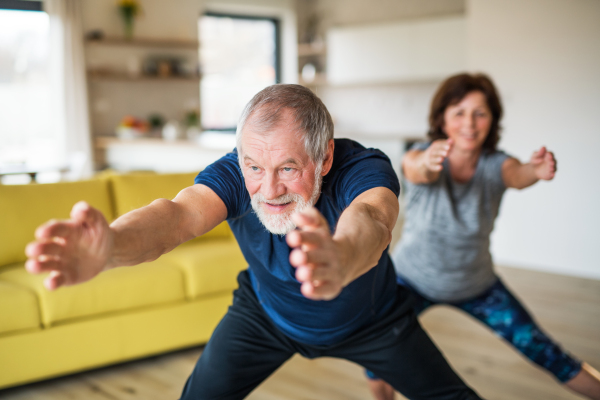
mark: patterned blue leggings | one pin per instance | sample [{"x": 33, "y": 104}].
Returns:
[{"x": 503, "y": 313}]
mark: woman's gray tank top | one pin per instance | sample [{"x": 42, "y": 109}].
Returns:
[{"x": 444, "y": 249}]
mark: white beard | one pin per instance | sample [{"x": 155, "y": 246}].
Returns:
[{"x": 282, "y": 224}]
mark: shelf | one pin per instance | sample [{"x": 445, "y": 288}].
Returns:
[
  {"x": 307, "y": 50},
  {"x": 417, "y": 80},
  {"x": 159, "y": 155},
  {"x": 208, "y": 140},
  {"x": 103, "y": 142},
  {"x": 321, "y": 80},
  {"x": 145, "y": 42},
  {"x": 23, "y": 169},
  {"x": 120, "y": 76}
]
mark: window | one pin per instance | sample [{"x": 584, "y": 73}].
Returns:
[
  {"x": 239, "y": 57},
  {"x": 26, "y": 136}
]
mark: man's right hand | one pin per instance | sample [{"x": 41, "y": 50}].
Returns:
[
  {"x": 435, "y": 154},
  {"x": 74, "y": 250}
]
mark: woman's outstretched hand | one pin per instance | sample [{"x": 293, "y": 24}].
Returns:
[
  {"x": 435, "y": 154},
  {"x": 544, "y": 164}
]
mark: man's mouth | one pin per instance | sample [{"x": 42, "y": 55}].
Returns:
[{"x": 276, "y": 207}]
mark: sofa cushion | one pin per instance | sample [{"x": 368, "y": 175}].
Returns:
[
  {"x": 210, "y": 267},
  {"x": 135, "y": 190},
  {"x": 18, "y": 308},
  {"x": 25, "y": 207},
  {"x": 120, "y": 289}
]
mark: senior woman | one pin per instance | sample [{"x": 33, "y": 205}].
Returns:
[{"x": 454, "y": 184}]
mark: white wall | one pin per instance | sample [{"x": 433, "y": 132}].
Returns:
[
  {"x": 392, "y": 110},
  {"x": 544, "y": 56}
]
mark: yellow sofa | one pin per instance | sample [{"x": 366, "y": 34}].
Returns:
[{"x": 123, "y": 314}]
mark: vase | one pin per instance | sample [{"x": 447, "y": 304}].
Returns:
[
  {"x": 128, "y": 25},
  {"x": 128, "y": 14}
]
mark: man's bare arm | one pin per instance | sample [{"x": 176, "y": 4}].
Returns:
[
  {"x": 76, "y": 250},
  {"x": 147, "y": 233},
  {"x": 325, "y": 263},
  {"x": 366, "y": 229}
]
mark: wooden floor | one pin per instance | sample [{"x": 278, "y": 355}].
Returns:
[{"x": 567, "y": 308}]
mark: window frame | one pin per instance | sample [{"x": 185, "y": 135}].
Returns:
[
  {"x": 23, "y": 166},
  {"x": 21, "y": 5},
  {"x": 277, "y": 24}
]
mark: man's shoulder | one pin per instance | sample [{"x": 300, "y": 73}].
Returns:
[
  {"x": 347, "y": 146},
  {"x": 225, "y": 178},
  {"x": 348, "y": 152},
  {"x": 229, "y": 161},
  {"x": 356, "y": 169}
]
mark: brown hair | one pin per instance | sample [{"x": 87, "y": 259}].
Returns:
[{"x": 452, "y": 91}]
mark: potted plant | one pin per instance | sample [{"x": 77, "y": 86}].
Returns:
[{"x": 129, "y": 9}]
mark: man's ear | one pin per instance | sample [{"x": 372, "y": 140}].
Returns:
[{"x": 328, "y": 160}]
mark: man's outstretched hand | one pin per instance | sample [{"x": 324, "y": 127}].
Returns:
[
  {"x": 73, "y": 250},
  {"x": 319, "y": 260}
]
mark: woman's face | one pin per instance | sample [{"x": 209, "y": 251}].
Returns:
[{"x": 468, "y": 122}]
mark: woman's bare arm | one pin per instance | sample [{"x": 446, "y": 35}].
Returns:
[
  {"x": 519, "y": 176},
  {"x": 424, "y": 166}
]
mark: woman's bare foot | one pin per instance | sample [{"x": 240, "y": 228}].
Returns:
[{"x": 586, "y": 382}]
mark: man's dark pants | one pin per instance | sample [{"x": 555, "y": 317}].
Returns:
[{"x": 247, "y": 347}]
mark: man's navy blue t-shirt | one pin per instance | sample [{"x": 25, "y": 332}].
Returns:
[{"x": 354, "y": 171}]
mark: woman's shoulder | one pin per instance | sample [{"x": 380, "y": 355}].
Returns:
[{"x": 492, "y": 166}]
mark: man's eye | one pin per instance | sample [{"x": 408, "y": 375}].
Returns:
[
  {"x": 254, "y": 168},
  {"x": 288, "y": 169}
]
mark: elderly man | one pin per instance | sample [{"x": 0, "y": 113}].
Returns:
[{"x": 313, "y": 217}]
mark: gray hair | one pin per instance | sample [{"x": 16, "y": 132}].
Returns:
[{"x": 310, "y": 116}]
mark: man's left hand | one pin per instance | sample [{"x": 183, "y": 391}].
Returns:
[{"x": 319, "y": 260}]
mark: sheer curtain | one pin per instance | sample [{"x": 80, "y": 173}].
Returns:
[{"x": 67, "y": 69}]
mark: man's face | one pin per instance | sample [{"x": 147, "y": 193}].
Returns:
[{"x": 279, "y": 175}]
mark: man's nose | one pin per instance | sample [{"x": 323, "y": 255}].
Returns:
[{"x": 271, "y": 187}]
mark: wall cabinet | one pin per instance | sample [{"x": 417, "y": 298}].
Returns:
[{"x": 408, "y": 51}]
